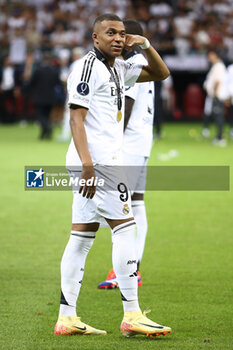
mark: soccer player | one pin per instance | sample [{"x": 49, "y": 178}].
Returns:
[
  {"x": 44, "y": 80},
  {"x": 228, "y": 91},
  {"x": 137, "y": 143},
  {"x": 96, "y": 100},
  {"x": 214, "y": 88}
]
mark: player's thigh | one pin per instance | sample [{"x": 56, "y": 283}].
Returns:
[
  {"x": 113, "y": 200},
  {"x": 136, "y": 171}
]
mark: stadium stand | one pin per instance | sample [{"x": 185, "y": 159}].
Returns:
[{"x": 182, "y": 31}]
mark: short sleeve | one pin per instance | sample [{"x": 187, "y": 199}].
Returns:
[
  {"x": 132, "y": 91},
  {"x": 80, "y": 84},
  {"x": 132, "y": 72}
]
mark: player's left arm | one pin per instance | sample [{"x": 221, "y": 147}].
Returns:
[{"x": 156, "y": 70}]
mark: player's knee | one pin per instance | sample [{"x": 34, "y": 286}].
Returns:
[{"x": 129, "y": 226}]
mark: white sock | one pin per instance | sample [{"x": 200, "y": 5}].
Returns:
[
  {"x": 139, "y": 212},
  {"x": 72, "y": 270},
  {"x": 125, "y": 264}
]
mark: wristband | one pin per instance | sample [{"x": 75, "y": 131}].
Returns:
[{"x": 145, "y": 45}]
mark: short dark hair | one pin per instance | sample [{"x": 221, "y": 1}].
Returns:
[
  {"x": 215, "y": 51},
  {"x": 107, "y": 17},
  {"x": 133, "y": 27}
]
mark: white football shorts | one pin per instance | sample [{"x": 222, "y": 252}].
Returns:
[
  {"x": 136, "y": 172},
  {"x": 112, "y": 201}
]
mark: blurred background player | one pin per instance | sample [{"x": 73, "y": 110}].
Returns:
[
  {"x": 7, "y": 87},
  {"x": 77, "y": 53},
  {"x": 42, "y": 85},
  {"x": 228, "y": 91},
  {"x": 163, "y": 104},
  {"x": 215, "y": 98},
  {"x": 137, "y": 144}
]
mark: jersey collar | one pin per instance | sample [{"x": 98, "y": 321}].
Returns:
[
  {"x": 99, "y": 55},
  {"x": 130, "y": 54}
]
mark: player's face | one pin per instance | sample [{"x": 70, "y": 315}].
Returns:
[
  {"x": 109, "y": 38},
  {"x": 212, "y": 57}
]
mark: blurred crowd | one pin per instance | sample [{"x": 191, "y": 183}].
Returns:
[
  {"x": 173, "y": 26},
  {"x": 29, "y": 29}
]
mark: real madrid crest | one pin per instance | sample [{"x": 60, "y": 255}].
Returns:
[{"x": 125, "y": 209}]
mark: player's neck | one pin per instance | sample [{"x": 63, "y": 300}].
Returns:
[
  {"x": 111, "y": 61},
  {"x": 103, "y": 57}
]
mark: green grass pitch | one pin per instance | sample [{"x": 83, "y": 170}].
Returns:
[{"x": 187, "y": 268}]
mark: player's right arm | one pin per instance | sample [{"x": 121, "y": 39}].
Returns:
[
  {"x": 80, "y": 89},
  {"x": 156, "y": 70},
  {"x": 77, "y": 117}
]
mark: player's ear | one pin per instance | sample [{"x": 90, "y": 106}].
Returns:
[{"x": 94, "y": 37}]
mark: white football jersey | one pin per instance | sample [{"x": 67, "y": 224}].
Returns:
[
  {"x": 138, "y": 135},
  {"x": 90, "y": 85},
  {"x": 228, "y": 83},
  {"x": 215, "y": 76}
]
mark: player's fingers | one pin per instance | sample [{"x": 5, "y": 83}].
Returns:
[
  {"x": 92, "y": 195},
  {"x": 131, "y": 40},
  {"x": 128, "y": 40},
  {"x": 93, "y": 192},
  {"x": 129, "y": 43},
  {"x": 85, "y": 190},
  {"x": 80, "y": 189},
  {"x": 89, "y": 193}
]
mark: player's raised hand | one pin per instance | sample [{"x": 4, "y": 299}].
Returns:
[
  {"x": 88, "y": 174},
  {"x": 132, "y": 40}
]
